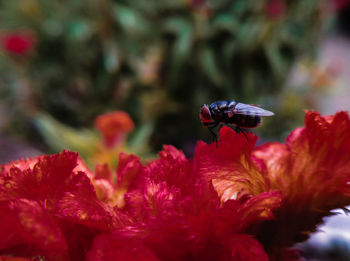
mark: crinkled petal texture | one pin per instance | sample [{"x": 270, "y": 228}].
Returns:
[
  {"x": 163, "y": 211},
  {"x": 8, "y": 258},
  {"x": 25, "y": 222},
  {"x": 234, "y": 202},
  {"x": 49, "y": 207},
  {"x": 178, "y": 216},
  {"x": 231, "y": 167},
  {"x": 311, "y": 170}
]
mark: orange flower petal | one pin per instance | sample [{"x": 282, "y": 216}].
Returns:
[{"x": 114, "y": 126}]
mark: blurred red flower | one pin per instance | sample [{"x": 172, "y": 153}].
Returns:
[
  {"x": 234, "y": 202},
  {"x": 275, "y": 8},
  {"x": 114, "y": 126},
  {"x": 197, "y": 3},
  {"x": 19, "y": 43},
  {"x": 339, "y": 4}
]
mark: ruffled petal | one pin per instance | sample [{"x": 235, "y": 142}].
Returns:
[
  {"x": 230, "y": 167},
  {"x": 80, "y": 205},
  {"x": 44, "y": 181},
  {"x": 28, "y": 224},
  {"x": 245, "y": 247},
  {"x": 312, "y": 171},
  {"x": 128, "y": 172},
  {"x": 173, "y": 168},
  {"x": 7, "y": 258},
  {"x": 114, "y": 247}
]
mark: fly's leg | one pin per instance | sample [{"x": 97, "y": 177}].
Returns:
[
  {"x": 241, "y": 130},
  {"x": 210, "y": 128}
]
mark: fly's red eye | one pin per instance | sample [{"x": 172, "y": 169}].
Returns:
[{"x": 205, "y": 115}]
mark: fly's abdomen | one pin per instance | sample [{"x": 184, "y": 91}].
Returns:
[{"x": 245, "y": 121}]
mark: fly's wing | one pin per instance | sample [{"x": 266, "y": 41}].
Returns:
[{"x": 245, "y": 109}]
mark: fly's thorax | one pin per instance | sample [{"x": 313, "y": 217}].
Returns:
[
  {"x": 222, "y": 105},
  {"x": 219, "y": 110}
]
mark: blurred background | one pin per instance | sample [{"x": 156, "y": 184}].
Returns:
[{"x": 64, "y": 63}]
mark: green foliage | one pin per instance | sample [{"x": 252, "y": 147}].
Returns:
[
  {"x": 60, "y": 137},
  {"x": 158, "y": 60}
]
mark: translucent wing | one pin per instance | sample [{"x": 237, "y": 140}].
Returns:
[{"x": 251, "y": 110}]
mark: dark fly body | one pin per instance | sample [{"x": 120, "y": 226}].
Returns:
[{"x": 234, "y": 113}]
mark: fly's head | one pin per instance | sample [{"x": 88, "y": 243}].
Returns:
[{"x": 205, "y": 115}]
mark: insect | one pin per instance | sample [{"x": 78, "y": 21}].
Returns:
[{"x": 231, "y": 113}]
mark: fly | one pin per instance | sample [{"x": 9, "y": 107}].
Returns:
[{"x": 232, "y": 113}]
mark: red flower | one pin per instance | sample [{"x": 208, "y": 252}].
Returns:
[
  {"x": 18, "y": 43},
  {"x": 197, "y": 3},
  {"x": 275, "y": 8},
  {"x": 178, "y": 216},
  {"x": 312, "y": 171},
  {"x": 233, "y": 202},
  {"x": 128, "y": 172},
  {"x": 44, "y": 203},
  {"x": 339, "y": 4},
  {"x": 114, "y": 126},
  {"x": 201, "y": 8}
]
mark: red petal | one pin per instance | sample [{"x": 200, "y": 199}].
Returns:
[
  {"x": 9, "y": 235},
  {"x": 230, "y": 167},
  {"x": 30, "y": 225},
  {"x": 319, "y": 156},
  {"x": 103, "y": 172},
  {"x": 80, "y": 205},
  {"x": 44, "y": 182},
  {"x": 82, "y": 167},
  {"x": 114, "y": 247},
  {"x": 128, "y": 171},
  {"x": 104, "y": 191},
  {"x": 173, "y": 168},
  {"x": 20, "y": 164},
  {"x": 312, "y": 170},
  {"x": 246, "y": 248},
  {"x": 260, "y": 207},
  {"x": 128, "y": 168},
  {"x": 103, "y": 183},
  {"x": 7, "y": 258},
  {"x": 271, "y": 155}
]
